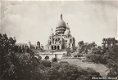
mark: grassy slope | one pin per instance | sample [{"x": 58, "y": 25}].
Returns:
[{"x": 98, "y": 67}]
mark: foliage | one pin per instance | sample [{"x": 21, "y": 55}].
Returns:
[
  {"x": 84, "y": 48},
  {"x": 100, "y": 54},
  {"x": 54, "y": 59},
  {"x": 21, "y": 63},
  {"x": 46, "y": 63},
  {"x": 106, "y": 56},
  {"x": 112, "y": 58}
]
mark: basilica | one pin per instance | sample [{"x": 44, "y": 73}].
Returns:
[{"x": 61, "y": 39}]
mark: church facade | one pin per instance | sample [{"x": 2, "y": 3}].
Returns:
[{"x": 61, "y": 39}]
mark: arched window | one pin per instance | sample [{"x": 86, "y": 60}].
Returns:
[
  {"x": 51, "y": 47},
  {"x": 58, "y": 48},
  {"x": 54, "y": 47}
]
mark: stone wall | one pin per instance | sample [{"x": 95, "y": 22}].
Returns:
[{"x": 52, "y": 55}]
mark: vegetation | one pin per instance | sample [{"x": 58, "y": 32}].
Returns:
[
  {"x": 101, "y": 54},
  {"x": 108, "y": 57},
  {"x": 20, "y": 63}
]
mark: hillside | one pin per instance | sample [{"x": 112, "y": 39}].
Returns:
[{"x": 103, "y": 70}]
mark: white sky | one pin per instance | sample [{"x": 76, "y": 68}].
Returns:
[{"x": 33, "y": 20}]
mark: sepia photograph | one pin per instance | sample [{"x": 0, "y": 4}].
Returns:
[{"x": 58, "y": 39}]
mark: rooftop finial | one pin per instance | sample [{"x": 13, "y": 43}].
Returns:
[
  {"x": 61, "y": 17},
  {"x": 67, "y": 25},
  {"x": 51, "y": 30}
]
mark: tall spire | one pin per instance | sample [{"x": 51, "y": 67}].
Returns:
[{"x": 61, "y": 16}]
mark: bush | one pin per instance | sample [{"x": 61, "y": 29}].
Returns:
[
  {"x": 96, "y": 58},
  {"x": 46, "y": 63}
]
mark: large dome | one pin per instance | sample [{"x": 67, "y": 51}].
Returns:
[
  {"x": 62, "y": 23},
  {"x": 60, "y": 29}
]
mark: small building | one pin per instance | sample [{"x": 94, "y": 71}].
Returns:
[{"x": 109, "y": 42}]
